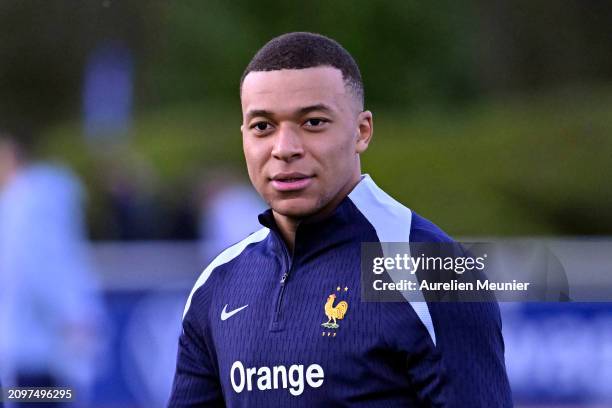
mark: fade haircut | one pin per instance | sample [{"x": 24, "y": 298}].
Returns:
[{"x": 302, "y": 50}]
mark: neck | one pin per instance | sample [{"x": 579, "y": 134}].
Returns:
[{"x": 288, "y": 225}]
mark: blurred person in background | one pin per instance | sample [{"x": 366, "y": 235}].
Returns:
[
  {"x": 50, "y": 306},
  {"x": 128, "y": 182},
  {"x": 222, "y": 196}
]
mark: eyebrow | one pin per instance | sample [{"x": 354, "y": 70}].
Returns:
[{"x": 300, "y": 112}]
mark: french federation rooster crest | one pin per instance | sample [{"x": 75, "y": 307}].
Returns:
[{"x": 334, "y": 313}]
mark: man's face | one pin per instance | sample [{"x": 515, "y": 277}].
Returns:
[{"x": 302, "y": 133}]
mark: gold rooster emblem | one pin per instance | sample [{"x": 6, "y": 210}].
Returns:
[{"x": 334, "y": 313}]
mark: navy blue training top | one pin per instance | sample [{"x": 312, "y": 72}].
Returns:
[{"x": 263, "y": 328}]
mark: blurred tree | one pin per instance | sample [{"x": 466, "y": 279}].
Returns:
[
  {"x": 420, "y": 46},
  {"x": 412, "y": 53},
  {"x": 189, "y": 56},
  {"x": 526, "y": 45},
  {"x": 43, "y": 47}
]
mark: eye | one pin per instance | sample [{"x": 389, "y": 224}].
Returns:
[
  {"x": 315, "y": 122},
  {"x": 261, "y": 127}
]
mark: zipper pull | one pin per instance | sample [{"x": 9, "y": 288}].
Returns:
[{"x": 283, "y": 278}]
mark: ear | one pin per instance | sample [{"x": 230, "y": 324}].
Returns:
[
  {"x": 241, "y": 128},
  {"x": 365, "y": 131}
]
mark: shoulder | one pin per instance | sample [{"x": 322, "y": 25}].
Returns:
[
  {"x": 224, "y": 258},
  {"x": 423, "y": 230},
  {"x": 393, "y": 221}
]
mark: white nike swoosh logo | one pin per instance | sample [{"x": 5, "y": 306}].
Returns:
[{"x": 226, "y": 315}]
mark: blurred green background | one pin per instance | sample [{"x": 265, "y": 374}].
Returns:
[{"x": 491, "y": 118}]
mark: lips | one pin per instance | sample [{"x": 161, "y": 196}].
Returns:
[{"x": 291, "y": 181}]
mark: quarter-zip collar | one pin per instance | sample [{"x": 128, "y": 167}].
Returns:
[{"x": 313, "y": 238}]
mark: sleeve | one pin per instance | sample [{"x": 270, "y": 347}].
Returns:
[
  {"x": 426, "y": 373},
  {"x": 470, "y": 340},
  {"x": 407, "y": 335},
  {"x": 196, "y": 381}
]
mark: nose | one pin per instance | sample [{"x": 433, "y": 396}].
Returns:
[{"x": 287, "y": 144}]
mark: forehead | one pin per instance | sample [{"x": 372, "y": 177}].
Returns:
[{"x": 291, "y": 89}]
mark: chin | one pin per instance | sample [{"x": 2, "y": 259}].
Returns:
[{"x": 295, "y": 207}]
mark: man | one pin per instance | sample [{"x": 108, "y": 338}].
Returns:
[
  {"x": 276, "y": 320},
  {"x": 50, "y": 309}
]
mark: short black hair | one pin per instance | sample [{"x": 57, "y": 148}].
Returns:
[{"x": 300, "y": 50}]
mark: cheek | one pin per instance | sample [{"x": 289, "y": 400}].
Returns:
[
  {"x": 255, "y": 157},
  {"x": 339, "y": 155},
  {"x": 339, "y": 164}
]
